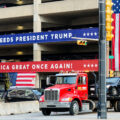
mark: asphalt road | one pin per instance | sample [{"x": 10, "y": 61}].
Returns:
[{"x": 60, "y": 116}]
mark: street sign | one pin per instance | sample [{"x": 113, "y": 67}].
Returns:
[{"x": 111, "y": 57}]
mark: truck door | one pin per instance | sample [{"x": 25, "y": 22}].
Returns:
[{"x": 82, "y": 87}]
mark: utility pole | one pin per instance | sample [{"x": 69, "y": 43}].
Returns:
[{"x": 102, "y": 112}]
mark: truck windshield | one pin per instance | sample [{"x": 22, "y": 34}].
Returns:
[
  {"x": 111, "y": 80},
  {"x": 66, "y": 80}
]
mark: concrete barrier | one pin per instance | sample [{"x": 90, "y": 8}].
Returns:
[{"x": 18, "y": 107}]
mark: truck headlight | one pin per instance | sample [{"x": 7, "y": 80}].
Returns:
[{"x": 66, "y": 99}]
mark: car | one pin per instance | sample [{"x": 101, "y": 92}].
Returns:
[
  {"x": 22, "y": 94},
  {"x": 112, "y": 86}
]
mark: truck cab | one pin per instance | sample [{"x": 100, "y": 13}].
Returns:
[{"x": 70, "y": 93}]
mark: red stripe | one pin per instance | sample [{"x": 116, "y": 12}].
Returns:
[
  {"x": 25, "y": 84},
  {"x": 23, "y": 80},
  {"x": 113, "y": 42},
  {"x": 26, "y": 76},
  {"x": 27, "y": 73}
]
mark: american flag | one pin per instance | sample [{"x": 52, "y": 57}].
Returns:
[
  {"x": 24, "y": 80},
  {"x": 116, "y": 32}
]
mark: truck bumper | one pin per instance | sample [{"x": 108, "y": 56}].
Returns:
[{"x": 55, "y": 104}]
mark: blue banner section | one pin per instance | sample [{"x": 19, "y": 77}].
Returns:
[
  {"x": 43, "y": 37},
  {"x": 13, "y": 77}
]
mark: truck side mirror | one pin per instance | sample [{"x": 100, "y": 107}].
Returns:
[{"x": 48, "y": 80}]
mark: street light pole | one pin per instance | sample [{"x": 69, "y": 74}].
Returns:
[{"x": 102, "y": 112}]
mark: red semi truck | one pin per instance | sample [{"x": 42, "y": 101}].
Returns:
[{"x": 72, "y": 93}]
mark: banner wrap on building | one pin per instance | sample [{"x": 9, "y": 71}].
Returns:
[
  {"x": 54, "y": 36},
  {"x": 49, "y": 66}
]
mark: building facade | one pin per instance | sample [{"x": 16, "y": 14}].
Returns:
[{"x": 26, "y": 16}]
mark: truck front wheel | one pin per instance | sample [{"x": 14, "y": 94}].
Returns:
[
  {"x": 46, "y": 112},
  {"x": 74, "y": 108},
  {"x": 117, "y": 106}
]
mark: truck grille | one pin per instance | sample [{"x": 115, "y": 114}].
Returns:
[{"x": 51, "y": 95}]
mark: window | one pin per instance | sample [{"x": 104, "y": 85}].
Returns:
[
  {"x": 29, "y": 94},
  {"x": 20, "y": 93},
  {"x": 12, "y": 93},
  {"x": 119, "y": 82},
  {"x": 82, "y": 80},
  {"x": 112, "y": 80},
  {"x": 16, "y": 93},
  {"x": 66, "y": 80}
]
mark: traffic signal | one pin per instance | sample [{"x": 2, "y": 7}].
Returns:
[
  {"x": 111, "y": 73},
  {"x": 109, "y": 20},
  {"x": 81, "y": 42}
]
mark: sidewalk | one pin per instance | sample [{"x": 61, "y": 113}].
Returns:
[{"x": 60, "y": 116}]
